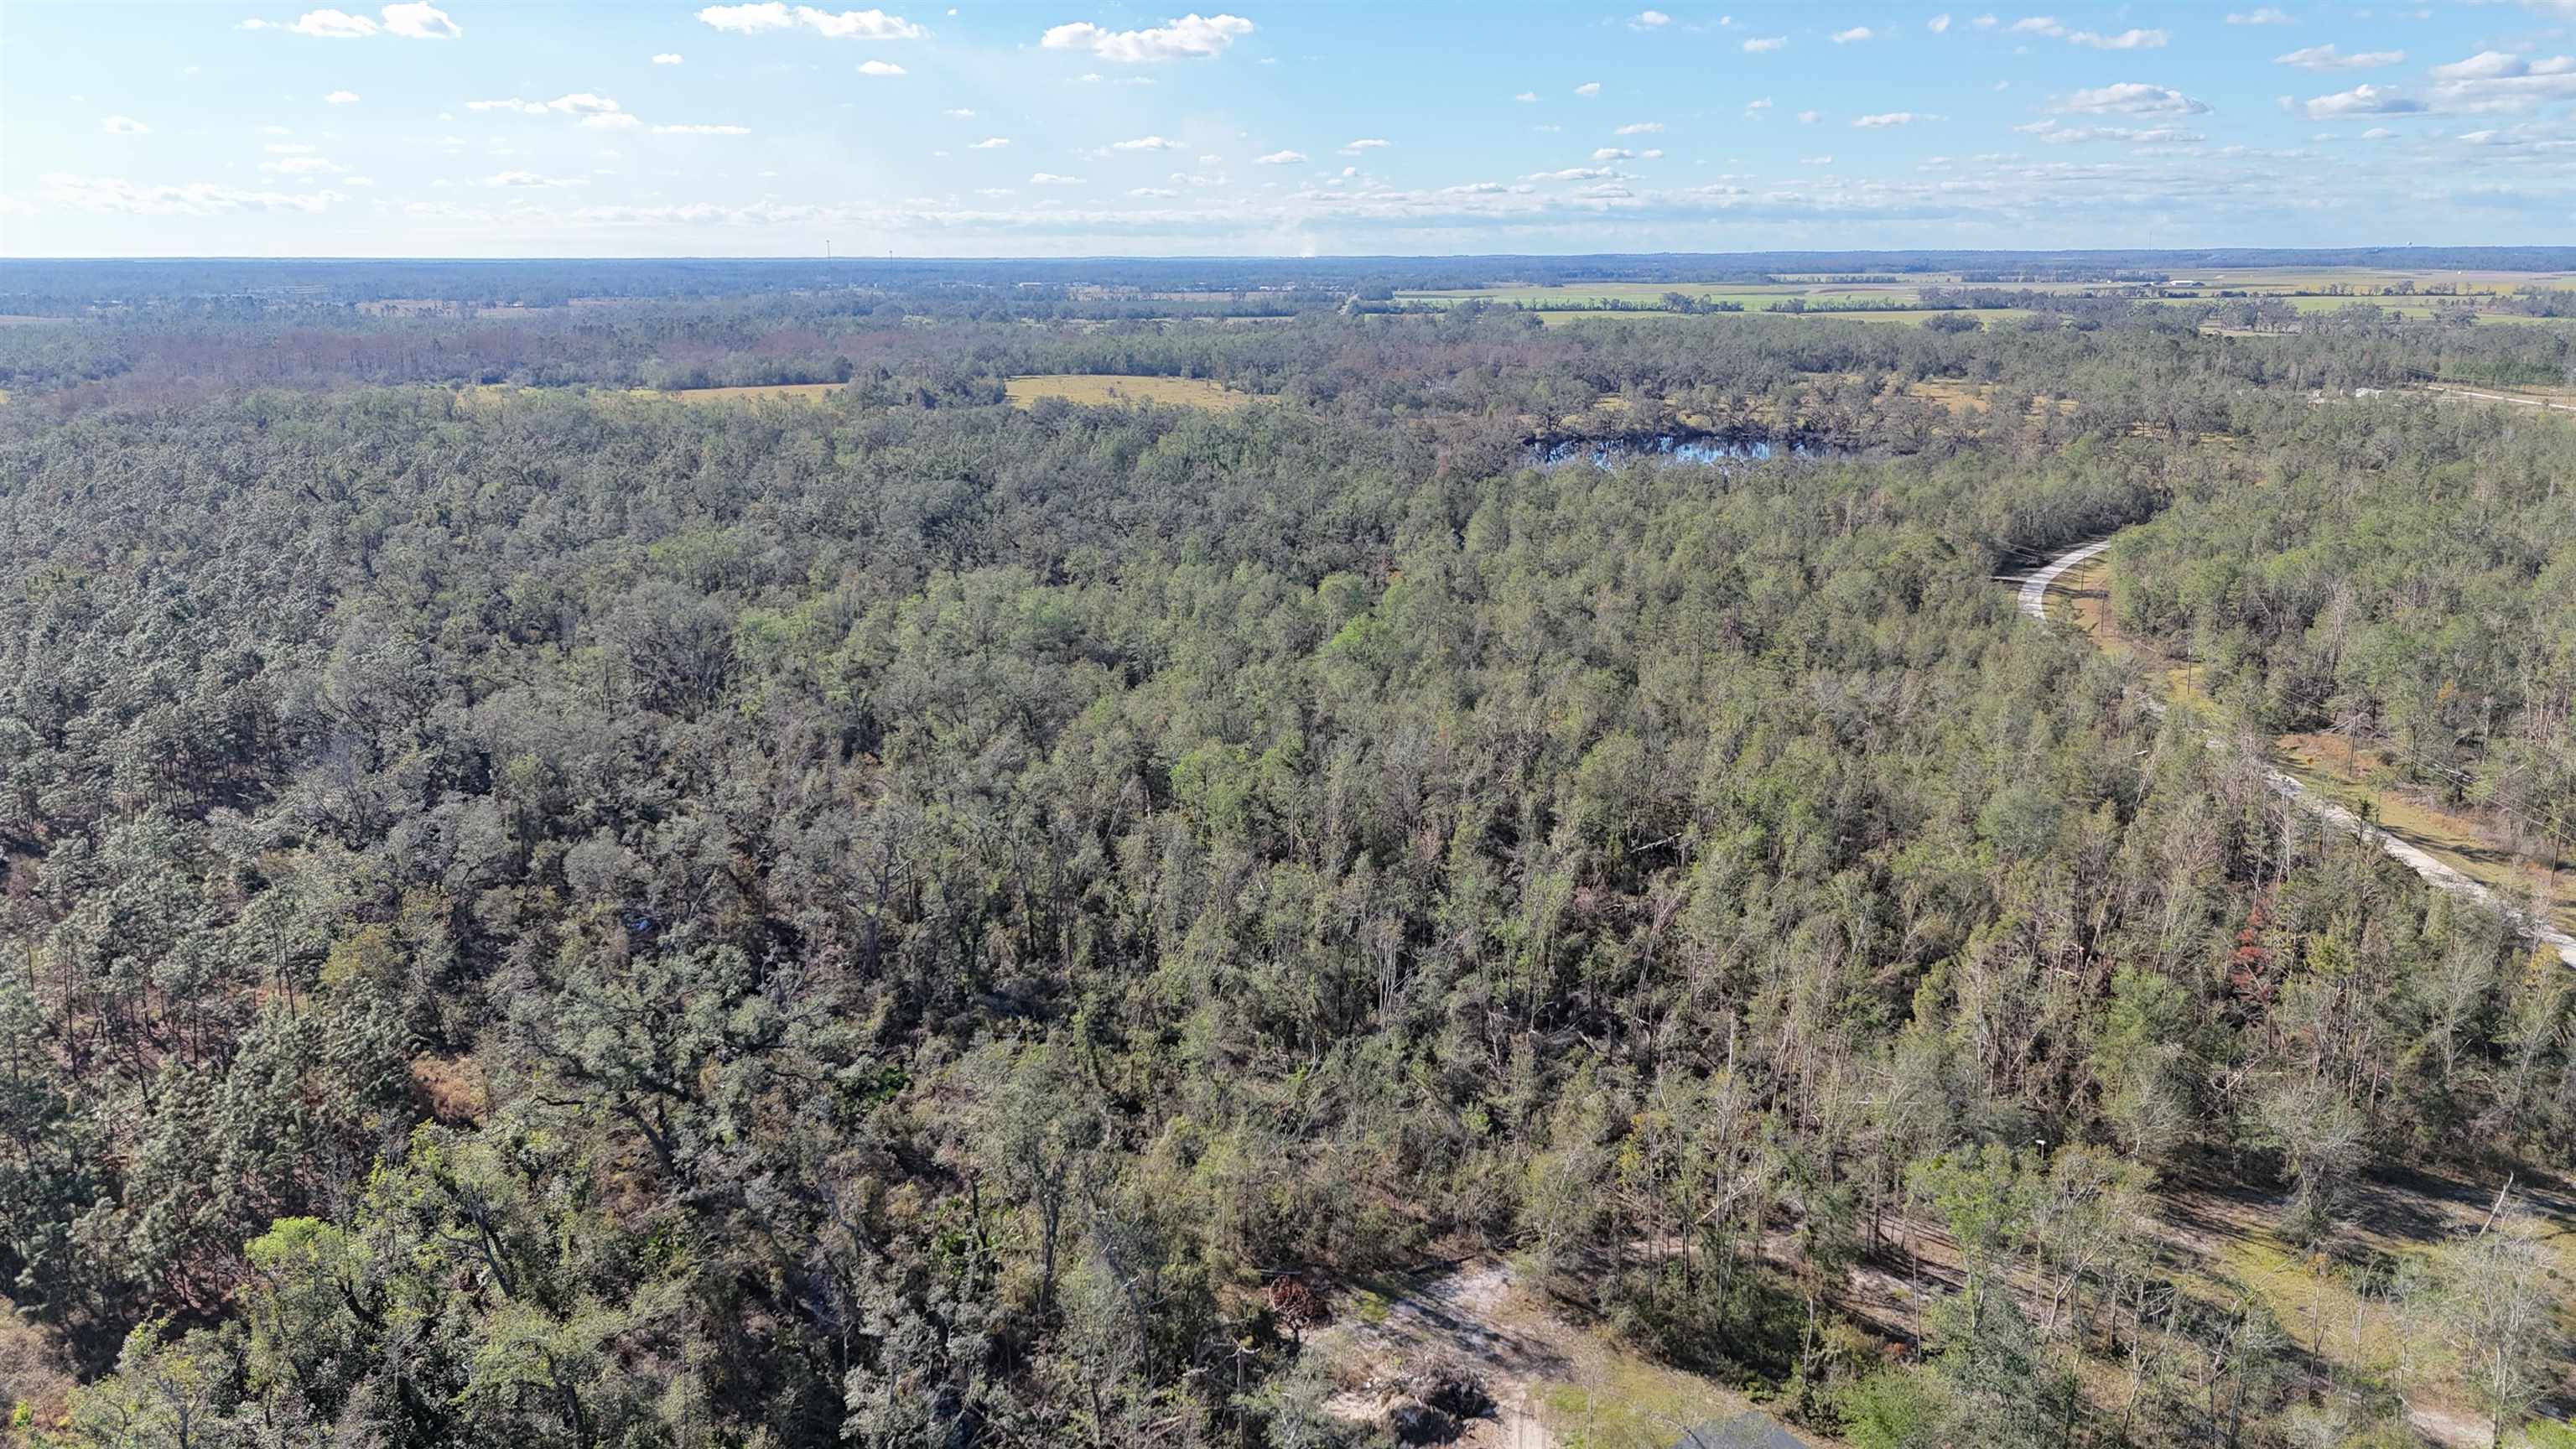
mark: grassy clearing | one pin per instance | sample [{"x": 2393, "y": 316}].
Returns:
[
  {"x": 1111, "y": 389},
  {"x": 794, "y": 391}
]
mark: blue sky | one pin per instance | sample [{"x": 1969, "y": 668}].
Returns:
[{"x": 505, "y": 128}]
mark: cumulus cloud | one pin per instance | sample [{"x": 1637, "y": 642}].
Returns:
[
  {"x": 298, "y": 166},
  {"x": 579, "y": 103},
  {"x": 1366, "y": 143},
  {"x": 2267, "y": 15},
  {"x": 333, "y": 25},
  {"x": 1885, "y": 119},
  {"x": 1148, "y": 143},
  {"x": 2327, "y": 57},
  {"x": 1572, "y": 173},
  {"x": 419, "y": 21},
  {"x": 990, "y": 143},
  {"x": 2131, "y": 98},
  {"x": 668, "y": 57},
  {"x": 124, "y": 126},
  {"x": 1765, "y": 44},
  {"x": 1651, "y": 19},
  {"x": 1639, "y": 128},
  {"x": 412, "y": 20},
  {"x": 1856, "y": 33},
  {"x": 342, "y": 98},
  {"x": 1938, "y": 24},
  {"x": 1527, "y": 97},
  {"x": 532, "y": 181},
  {"x": 2362, "y": 100},
  {"x": 845, "y": 25},
  {"x": 2495, "y": 81},
  {"x": 1757, "y": 107},
  {"x": 1151, "y": 191},
  {"x": 1588, "y": 88},
  {"x": 879, "y": 68},
  {"x": 701, "y": 130},
  {"x": 2125, "y": 40},
  {"x": 1191, "y": 37},
  {"x": 1049, "y": 178},
  {"x": 1280, "y": 158}
]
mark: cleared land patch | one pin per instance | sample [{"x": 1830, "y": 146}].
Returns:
[{"x": 1110, "y": 389}]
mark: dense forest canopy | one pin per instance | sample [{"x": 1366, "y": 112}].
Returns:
[{"x": 541, "y": 915}]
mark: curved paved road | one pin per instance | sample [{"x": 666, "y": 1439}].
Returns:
[{"x": 2034, "y": 602}]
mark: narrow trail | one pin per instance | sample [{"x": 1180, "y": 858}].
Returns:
[{"x": 2034, "y": 602}]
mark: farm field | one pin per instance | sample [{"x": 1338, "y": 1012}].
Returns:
[{"x": 1110, "y": 388}]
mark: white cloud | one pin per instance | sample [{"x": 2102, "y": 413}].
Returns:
[
  {"x": 1614, "y": 153},
  {"x": 1572, "y": 173},
  {"x": 1192, "y": 36},
  {"x": 1280, "y": 158},
  {"x": 1885, "y": 119},
  {"x": 419, "y": 20},
  {"x": 2056, "y": 135},
  {"x": 668, "y": 57},
  {"x": 1938, "y": 24},
  {"x": 531, "y": 181},
  {"x": 1756, "y": 108},
  {"x": 2264, "y": 16},
  {"x": 1856, "y": 33},
  {"x": 2495, "y": 81},
  {"x": 1150, "y": 143},
  {"x": 1366, "y": 143},
  {"x": 2131, "y": 98},
  {"x": 333, "y": 25},
  {"x": 995, "y": 191},
  {"x": 1815, "y": 160},
  {"x": 342, "y": 98},
  {"x": 1152, "y": 191},
  {"x": 990, "y": 143},
  {"x": 879, "y": 68},
  {"x": 2125, "y": 40},
  {"x": 1650, "y": 19},
  {"x": 64, "y": 191},
  {"x": 1639, "y": 128},
  {"x": 1809, "y": 118},
  {"x": 2053, "y": 28},
  {"x": 1526, "y": 97},
  {"x": 579, "y": 103},
  {"x": 701, "y": 130},
  {"x": 2327, "y": 57},
  {"x": 959, "y": 113},
  {"x": 1049, "y": 178},
  {"x": 1765, "y": 44},
  {"x": 1588, "y": 88},
  {"x": 124, "y": 126},
  {"x": 287, "y": 148},
  {"x": 298, "y": 166},
  {"x": 846, "y": 25},
  {"x": 2377, "y": 133},
  {"x": 2362, "y": 100}
]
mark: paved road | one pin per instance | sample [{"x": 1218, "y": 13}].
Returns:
[{"x": 2034, "y": 602}]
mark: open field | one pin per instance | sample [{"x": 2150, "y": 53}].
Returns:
[
  {"x": 1109, "y": 389},
  {"x": 794, "y": 391}
]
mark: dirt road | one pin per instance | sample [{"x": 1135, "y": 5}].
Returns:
[{"x": 2034, "y": 602}]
